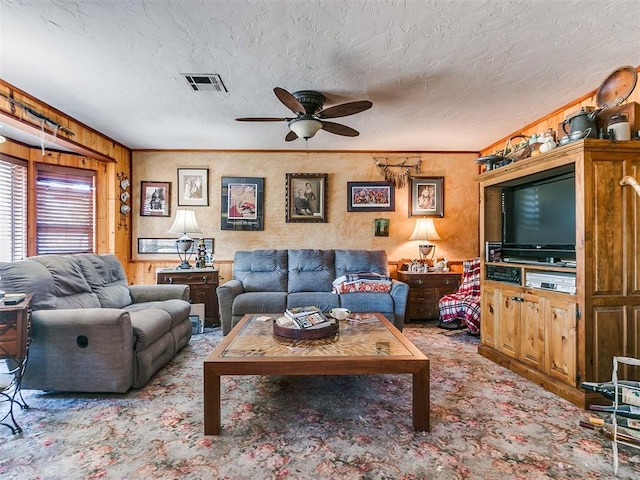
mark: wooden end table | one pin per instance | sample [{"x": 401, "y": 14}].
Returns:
[
  {"x": 371, "y": 346},
  {"x": 15, "y": 336}
]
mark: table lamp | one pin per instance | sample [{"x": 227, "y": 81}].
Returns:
[
  {"x": 425, "y": 231},
  {"x": 185, "y": 224}
]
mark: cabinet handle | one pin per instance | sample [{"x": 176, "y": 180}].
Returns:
[
  {"x": 204, "y": 279},
  {"x": 169, "y": 279},
  {"x": 419, "y": 281}
]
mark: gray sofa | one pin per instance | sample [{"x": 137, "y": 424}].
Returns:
[
  {"x": 269, "y": 281},
  {"x": 91, "y": 331}
]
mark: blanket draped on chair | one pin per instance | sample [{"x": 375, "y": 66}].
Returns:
[{"x": 465, "y": 303}]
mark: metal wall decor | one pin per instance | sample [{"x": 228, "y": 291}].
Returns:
[
  {"x": 397, "y": 173},
  {"x": 125, "y": 200}
]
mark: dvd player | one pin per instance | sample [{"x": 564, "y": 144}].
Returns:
[
  {"x": 558, "y": 281},
  {"x": 501, "y": 273}
]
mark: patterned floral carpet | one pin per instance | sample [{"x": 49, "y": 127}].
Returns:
[{"x": 487, "y": 423}]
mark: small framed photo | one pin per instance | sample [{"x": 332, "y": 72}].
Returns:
[
  {"x": 370, "y": 197},
  {"x": 242, "y": 206},
  {"x": 381, "y": 227},
  {"x": 306, "y": 196},
  {"x": 155, "y": 199},
  {"x": 193, "y": 187},
  {"x": 426, "y": 197}
]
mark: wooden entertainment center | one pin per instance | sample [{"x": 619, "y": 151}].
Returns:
[{"x": 551, "y": 336}]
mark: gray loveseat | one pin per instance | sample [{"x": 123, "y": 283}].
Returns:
[
  {"x": 91, "y": 331},
  {"x": 269, "y": 281}
]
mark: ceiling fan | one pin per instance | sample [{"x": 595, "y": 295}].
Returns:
[{"x": 310, "y": 117}]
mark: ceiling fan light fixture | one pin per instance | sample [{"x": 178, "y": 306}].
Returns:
[{"x": 305, "y": 127}]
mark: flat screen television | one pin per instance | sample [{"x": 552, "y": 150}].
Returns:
[{"x": 539, "y": 220}]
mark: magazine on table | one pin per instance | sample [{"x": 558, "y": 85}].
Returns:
[{"x": 295, "y": 312}]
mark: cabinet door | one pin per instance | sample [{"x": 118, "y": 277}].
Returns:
[
  {"x": 561, "y": 341},
  {"x": 489, "y": 320},
  {"x": 509, "y": 317},
  {"x": 532, "y": 331}
]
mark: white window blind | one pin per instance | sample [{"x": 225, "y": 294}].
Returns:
[
  {"x": 65, "y": 210},
  {"x": 13, "y": 209}
]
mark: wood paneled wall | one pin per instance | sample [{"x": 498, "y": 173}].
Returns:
[{"x": 91, "y": 150}]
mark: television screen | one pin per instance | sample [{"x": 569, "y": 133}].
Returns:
[{"x": 540, "y": 215}]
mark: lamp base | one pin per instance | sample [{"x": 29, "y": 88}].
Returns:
[{"x": 184, "y": 265}]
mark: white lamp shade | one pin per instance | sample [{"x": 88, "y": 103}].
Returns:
[
  {"x": 425, "y": 230},
  {"x": 185, "y": 224},
  {"x": 305, "y": 127}
]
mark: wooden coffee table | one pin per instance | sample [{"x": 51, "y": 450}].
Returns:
[{"x": 369, "y": 346}]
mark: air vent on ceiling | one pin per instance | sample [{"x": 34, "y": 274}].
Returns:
[{"x": 201, "y": 82}]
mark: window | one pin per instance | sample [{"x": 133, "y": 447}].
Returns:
[
  {"x": 65, "y": 210},
  {"x": 13, "y": 209}
]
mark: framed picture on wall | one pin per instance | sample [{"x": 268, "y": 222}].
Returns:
[
  {"x": 155, "y": 199},
  {"x": 306, "y": 197},
  {"x": 370, "y": 197},
  {"x": 193, "y": 187},
  {"x": 381, "y": 227},
  {"x": 426, "y": 197},
  {"x": 242, "y": 206}
]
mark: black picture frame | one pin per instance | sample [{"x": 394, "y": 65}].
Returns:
[
  {"x": 242, "y": 205},
  {"x": 370, "y": 197},
  {"x": 166, "y": 245},
  {"x": 306, "y": 197},
  {"x": 426, "y": 197},
  {"x": 155, "y": 199}
]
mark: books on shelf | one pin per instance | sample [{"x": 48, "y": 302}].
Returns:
[{"x": 294, "y": 312}]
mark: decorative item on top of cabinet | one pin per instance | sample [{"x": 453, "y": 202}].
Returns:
[{"x": 125, "y": 197}]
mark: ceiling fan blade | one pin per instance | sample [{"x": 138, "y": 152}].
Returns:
[
  {"x": 289, "y": 101},
  {"x": 339, "y": 129},
  {"x": 261, "y": 119},
  {"x": 345, "y": 109},
  {"x": 291, "y": 136}
]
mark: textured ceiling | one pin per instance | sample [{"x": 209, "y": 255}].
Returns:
[{"x": 442, "y": 74}]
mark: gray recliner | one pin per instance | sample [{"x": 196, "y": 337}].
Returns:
[{"x": 91, "y": 331}]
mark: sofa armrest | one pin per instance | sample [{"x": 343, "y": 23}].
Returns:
[
  {"x": 81, "y": 350},
  {"x": 157, "y": 293},
  {"x": 399, "y": 293},
  {"x": 227, "y": 292}
]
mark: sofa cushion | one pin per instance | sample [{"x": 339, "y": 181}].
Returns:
[
  {"x": 261, "y": 270},
  {"x": 259, "y": 302},
  {"x": 148, "y": 326},
  {"x": 367, "y": 302},
  {"x": 356, "y": 261},
  {"x": 71, "y": 288},
  {"x": 105, "y": 275},
  {"x": 325, "y": 301},
  {"x": 177, "y": 309},
  {"x": 26, "y": 276},
  {"x": 311, "y": 270}
]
